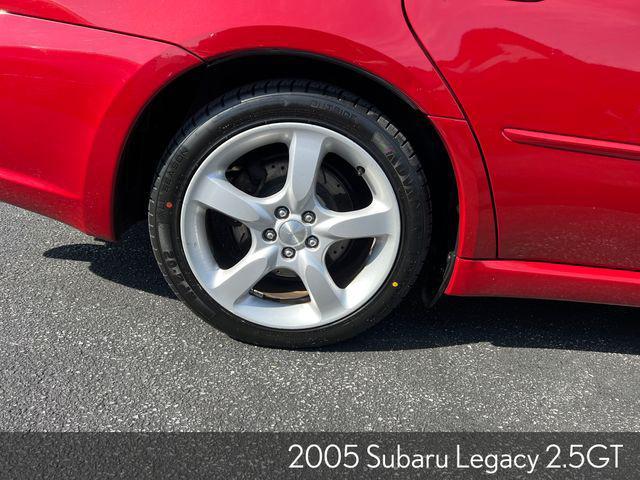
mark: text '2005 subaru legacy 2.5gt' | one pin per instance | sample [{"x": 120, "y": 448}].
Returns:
[{"x": 303, "y": 165}]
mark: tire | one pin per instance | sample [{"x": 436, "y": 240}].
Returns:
[{"x": 299, "y": 105}]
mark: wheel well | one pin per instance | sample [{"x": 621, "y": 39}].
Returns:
[{"x": 169, "y": 110}]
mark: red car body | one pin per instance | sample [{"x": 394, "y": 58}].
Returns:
[{"x": 536, "y": 102}]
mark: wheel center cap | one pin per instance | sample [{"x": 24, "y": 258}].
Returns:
[{"x": 293, "y": 233}]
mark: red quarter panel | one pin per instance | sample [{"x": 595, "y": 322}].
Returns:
[
  {"x": 371, "y": 34},
  {"x": 69, "y": 97}
]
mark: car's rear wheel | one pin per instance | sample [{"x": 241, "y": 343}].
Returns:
[{"x": 290, "y": 214}]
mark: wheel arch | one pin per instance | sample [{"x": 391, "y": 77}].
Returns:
[{"x": 170, "y": 107}]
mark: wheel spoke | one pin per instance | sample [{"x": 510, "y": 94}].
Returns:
[
  {"x": 220, "y": 195},
  {"x": 305, "y": 155},
  {"x": 326, "y": 296},
  {"x": 376, "y": 220},
  {"x": 235, "y": 282}
]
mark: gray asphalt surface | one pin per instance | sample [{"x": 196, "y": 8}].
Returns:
[{"x": 92, "y": 339}]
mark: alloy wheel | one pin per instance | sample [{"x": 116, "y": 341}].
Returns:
[{"x": 292, "y": 236}]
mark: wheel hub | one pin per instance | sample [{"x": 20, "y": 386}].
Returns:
[{"x": 293, "y": 233}]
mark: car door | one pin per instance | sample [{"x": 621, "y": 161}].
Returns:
[{"x": 552, "y": 90}]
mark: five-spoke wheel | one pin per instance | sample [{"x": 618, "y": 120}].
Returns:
[
  {"x": 290, "y": 213},
  {"x": 292, "y": 229}
]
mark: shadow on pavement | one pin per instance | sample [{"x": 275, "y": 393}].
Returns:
[
  {"x": 453, "y": 321},
  {"x": 129, "y": 262},
  {"x": 504, "y": 322}
]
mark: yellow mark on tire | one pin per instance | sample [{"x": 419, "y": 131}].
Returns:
[{"x": 395, "y": 284}]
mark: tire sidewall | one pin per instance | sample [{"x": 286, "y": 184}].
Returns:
[{"x": 218, "y": 126}]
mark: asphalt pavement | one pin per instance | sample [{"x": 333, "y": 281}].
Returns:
[{"x": 91, "y": 339}]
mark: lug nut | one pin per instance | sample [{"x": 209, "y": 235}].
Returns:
[
  {"x": 308, "y": 217},
  {"x": 312, "y": 242},
  {"x": 282, "y": 212},
  {"x": 288, "y": 252},
  {"x": 269, "y": 234}
]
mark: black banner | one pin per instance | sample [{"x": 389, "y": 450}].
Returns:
[{"x": 319, "y": 455}]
